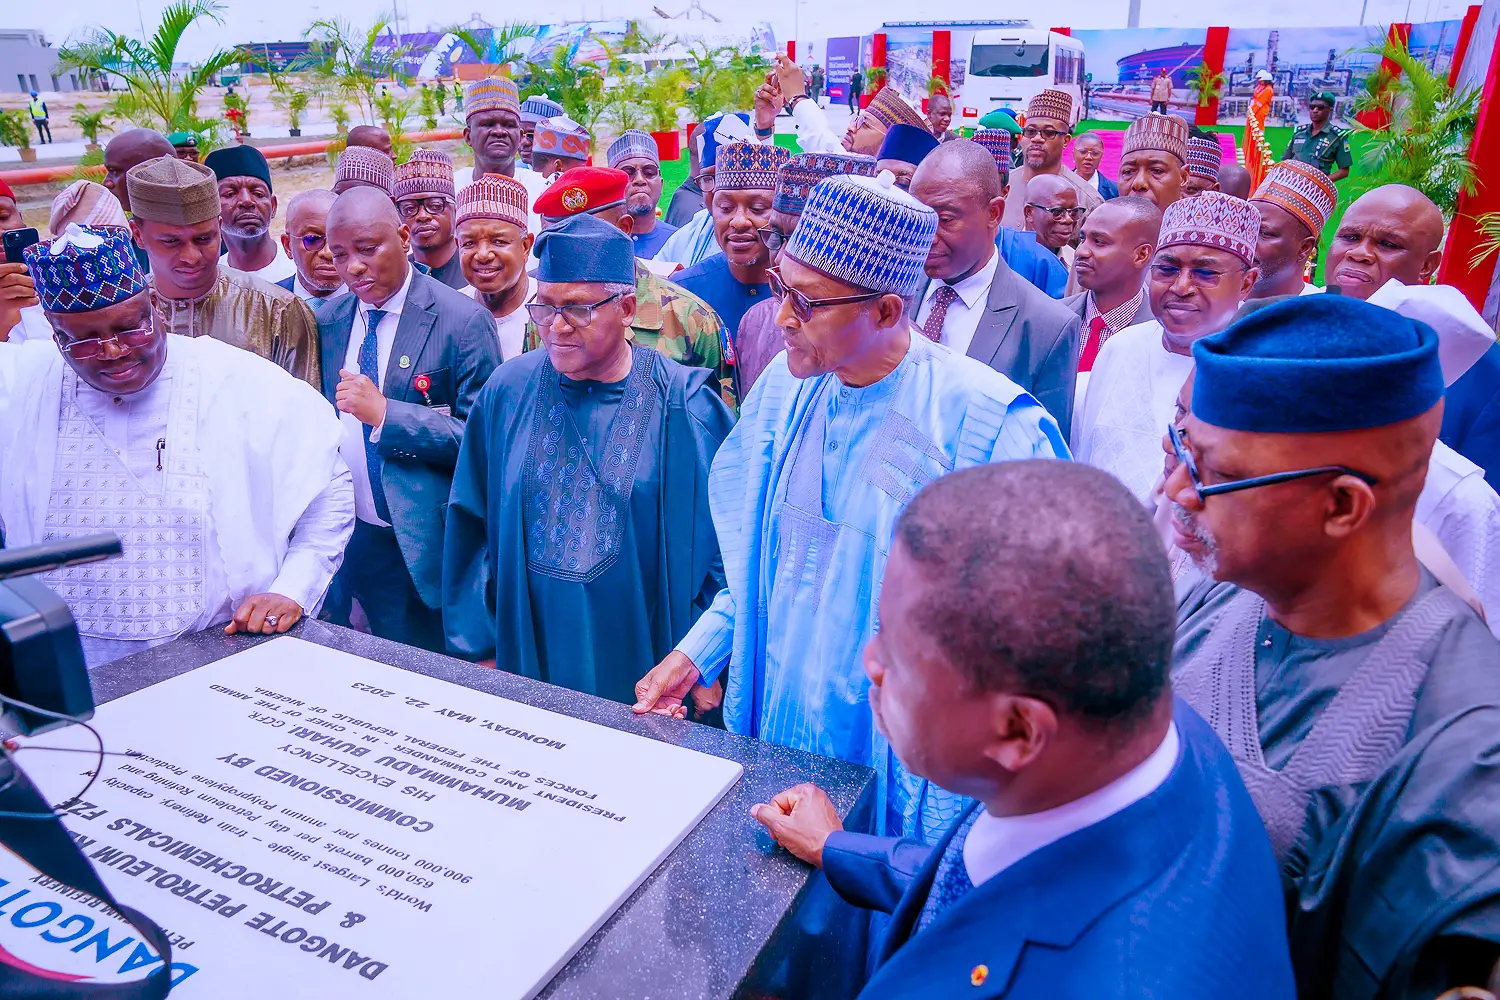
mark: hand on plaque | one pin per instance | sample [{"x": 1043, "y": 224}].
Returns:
[
  {"x": 256, "y": 611},
  {"x": 661, "y": 691},
  {"x": 356, "y": 394},
  {"x": 800, "y": 818}
]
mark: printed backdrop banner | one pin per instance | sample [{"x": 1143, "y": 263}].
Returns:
[{"x": 843, "y": 60}]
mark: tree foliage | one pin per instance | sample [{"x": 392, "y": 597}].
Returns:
[
  {"x": 352, "y": 63},
  {"x": 502, "y": 47},
  {"x": 1431, "y": 128},
  {"x": 1205, "y": 83},
  {"x": 151, "y": 92}
]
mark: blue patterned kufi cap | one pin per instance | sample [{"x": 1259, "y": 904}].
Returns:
[
  {"x": 1317, "y": 364},
  {"x": 633, "y": 143},
  {"x": 538, "y": 108},
  {"x": 84, "y": 269},
  {"x": 795, "y": 179},
  {"x": 866, "y": 232}
]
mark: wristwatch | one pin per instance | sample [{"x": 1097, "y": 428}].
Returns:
[{"x": 791, "y": 104}]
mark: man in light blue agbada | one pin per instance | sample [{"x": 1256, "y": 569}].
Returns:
[{"x": 837, "y": 435}]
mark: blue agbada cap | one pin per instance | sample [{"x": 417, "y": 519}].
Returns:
[
  {"x": 585, "y": 248},
  {"x": 906, "y": 143},
  {"x": 1314, "y": 364},
  {"x": 710, "y": 154}
]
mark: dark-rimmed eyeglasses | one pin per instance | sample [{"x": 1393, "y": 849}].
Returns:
[
  {"x": 1203, "y": 277},
  {"x": 578, "y": 316},
  {"x": 1234, "y": 486},
  {"x": 772, "y": 238},
  {"x": 312, "y": 244},
  {"x": 1059, "y": 213},
  {"x": 83, "y": 350},
  {"x": 1032, "y": 132},
  {"x": 409, "y": 207},
  {"x": 802, "y": 306}
]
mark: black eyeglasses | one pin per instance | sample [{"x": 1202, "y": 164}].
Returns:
[
  {"x": 1203, "y": 277},
  {"x": 1058, "y": 214},
  {"x": 772, "y": 238},
  {"x": 1234, "y": 486},
  {"x": 1031, "y": 132},
  {"x": 409, "y": 207},
  {"x": 83, "y": 350},
  {"x": 312, "y": 244},
  {"x": 578, "y": 316},
  {"x": 802, "y": 306}
]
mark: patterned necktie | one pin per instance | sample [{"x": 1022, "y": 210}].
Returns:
[
  {"x": 369, "y": 366},
  {"x": 951, "y": 882},
  {"x": 941, "y": 300},
  {"x": 1092, "y": 344}
]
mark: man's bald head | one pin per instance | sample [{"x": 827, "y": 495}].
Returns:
[
  {"x": 371, "y": 136},
  {"x": 314, "y": 203},
  {"x": 128, "y": 149},
  {"x": 1393, "y": 231},
  {"x": 1049, "y": 189},
  {"x": 1234, "y": 180},
  {"x": 962, "y": 161},
  {"x": 1044, "y": 194},
  {"x": 1134, "y": 218},
  {"x": 369, "y": 244}
]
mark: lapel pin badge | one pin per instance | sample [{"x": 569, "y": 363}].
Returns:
[
  {"x": 405, "y": 361},
  {"x": 979, "y": 975}
]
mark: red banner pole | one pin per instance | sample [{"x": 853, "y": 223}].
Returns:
[
  {"x": 1464, "y": 237},
  {"x": 1215, "y": 44}
]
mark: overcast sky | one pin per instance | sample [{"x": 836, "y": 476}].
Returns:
[{"x": 273, "y": 20}]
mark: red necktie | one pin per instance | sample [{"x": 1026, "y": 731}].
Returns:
[
  {"x": 941, "y": 300},
  {"x": 1092, "y": 345}
]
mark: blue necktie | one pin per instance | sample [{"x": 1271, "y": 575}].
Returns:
[
  {"x": 369, "y": 366},
  {"x": 951, "y": 881}
]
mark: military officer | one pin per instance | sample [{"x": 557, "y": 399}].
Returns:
[
  {"x": 1320, "y": 142},
  {"x": 668, "y": 317}
]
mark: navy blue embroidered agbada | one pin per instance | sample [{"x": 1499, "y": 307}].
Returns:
[{"x": 579, "y": 547}]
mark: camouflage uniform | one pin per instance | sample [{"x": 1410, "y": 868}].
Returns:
[{"x": 678, "y": 324}]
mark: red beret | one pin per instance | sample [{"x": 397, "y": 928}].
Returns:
[
  {"x": 582, "y": 189},
  {"x": 6, "y": 192}
]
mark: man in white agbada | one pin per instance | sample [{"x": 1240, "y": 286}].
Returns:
[
  {"x": 1204, "y": 267},
  {"x": 218, "y": 470}
]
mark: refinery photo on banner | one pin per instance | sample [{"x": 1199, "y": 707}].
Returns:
[{"x": 1122, "y": 63}]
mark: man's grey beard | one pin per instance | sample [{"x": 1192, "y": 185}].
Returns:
[
  {"x": 246, "y": 232},
  {"x": 1208, "y": 560},
  {"x": 640, "y": 211}
]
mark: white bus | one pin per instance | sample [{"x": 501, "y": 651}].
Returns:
[{"x": 1005, "y": 67}]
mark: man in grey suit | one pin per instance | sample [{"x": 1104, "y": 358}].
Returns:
[
  {"x": 972, "y": 301},
  {"x": 404, "y": 358}
]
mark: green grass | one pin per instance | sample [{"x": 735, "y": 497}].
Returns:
[{"x": 1278, "y": 136}]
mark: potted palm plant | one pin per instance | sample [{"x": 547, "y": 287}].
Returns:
[
  {"x": 662, "y": 96},
  {"x": 90, "y": 123},
  {"x": 15, "y": 130},
  {"x": 1208, "y": 86}
]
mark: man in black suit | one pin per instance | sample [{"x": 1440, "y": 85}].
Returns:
[
  {"x": 405, "y": 356},
  {"x": 1088, "y": 150},
  {"x": 973, "y": 302}
]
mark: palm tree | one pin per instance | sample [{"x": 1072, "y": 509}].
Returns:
[
  {"x": 577, "y": 86},
  {"x": 151, "y": 93},
  {"x": 502, "y": 46},
  {"x": 1431, "y": 127},
  {"x": 704, "y": 71},
  {"x": 1206, "y": 83},
  {"x": 742, "y": 77},
  {"x": 353, "y": 63},
  {"x": 1489, "y": 226}
]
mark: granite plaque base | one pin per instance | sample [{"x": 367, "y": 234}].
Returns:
[{"x": 463, "y": 887}]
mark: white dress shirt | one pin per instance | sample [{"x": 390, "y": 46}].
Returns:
[
  {"x": 510, "y": 328},
  {"x": 965, "y": 311},
  {"x": 353, "y": 448},
  {"x": 1093, "y": 180},
  {"x": 997, "y": 842},
  {"x": 280, "y": 268}
]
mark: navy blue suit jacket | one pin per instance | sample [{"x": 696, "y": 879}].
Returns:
[
  {"x": 451, "y": 339},
  {"x": 1175, "y": 896},
  {"x": 1107, "y": 188},
  {"x": 289, "y": 283},
  {"x": 1471, "y": 417}
]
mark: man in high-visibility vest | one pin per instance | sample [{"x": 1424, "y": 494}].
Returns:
[{"x": 38, "y": 109}]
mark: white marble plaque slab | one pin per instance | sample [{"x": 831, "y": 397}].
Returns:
[{"x": 307, "y": 823}]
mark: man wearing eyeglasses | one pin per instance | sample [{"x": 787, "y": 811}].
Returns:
[
  {"x": 1049, "y": 126},
  {"x": 842, "y": 430},
  {"x": 403, "y": 358},
  {"x": 219, "y": 471},
  {"x": 1053, "y": 213},
  {"x": 424, "y": 195},
  {"x": 1359, "y": 697},
  {"x": 636, "y": 154},
  {"x": 247, "y": 204},
  {"x": 1203, "y": 268},
  {"x": 583, "y": 573},
  {"x": 306, "y": 242}
]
